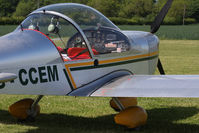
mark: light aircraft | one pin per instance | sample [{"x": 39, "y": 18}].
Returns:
[{"x": 73, "y": 50}]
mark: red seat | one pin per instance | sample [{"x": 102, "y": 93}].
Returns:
[
  {"x": 60, "y": 49},
  {"x": 72, "y": 52}
]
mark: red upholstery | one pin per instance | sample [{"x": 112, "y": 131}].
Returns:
[
  {"x": 72, "y": 52},
  {"x": 95, "y": 52},
  {"x": 60, "y": 49}
]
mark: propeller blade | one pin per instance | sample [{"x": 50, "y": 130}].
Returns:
[
  {"x": 160, "y": 68},
  {"x": 160, "y": 17}
]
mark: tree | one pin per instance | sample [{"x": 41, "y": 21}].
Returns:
[
  {"x": 182, "y": 9},
  {"x": 109, "y": 8},
  {"x": 7, "y": 7},
  {"x": 25, "y": 7},
  {"x": 47, "y": 2},
  {"x": 141, "y": 8},
  {"x": 193, "y": 10}
]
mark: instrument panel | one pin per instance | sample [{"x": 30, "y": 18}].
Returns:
[{"x": 104, "y": 40}]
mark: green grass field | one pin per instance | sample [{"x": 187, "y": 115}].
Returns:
[{"x": 83, "y": 115}]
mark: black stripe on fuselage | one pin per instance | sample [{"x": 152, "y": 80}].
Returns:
[{"x": 113, "y": 64}]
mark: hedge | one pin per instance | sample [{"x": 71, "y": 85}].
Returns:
[
  {"x": 148, "y": 21},
  {"x": 11, "y": 20},
  {"x": 115, "y": 20}
]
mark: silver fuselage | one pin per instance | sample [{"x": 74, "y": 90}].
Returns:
[{"x": 41, "y": 70}]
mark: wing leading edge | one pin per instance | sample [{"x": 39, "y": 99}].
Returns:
[{"x": 151, "y": 86}]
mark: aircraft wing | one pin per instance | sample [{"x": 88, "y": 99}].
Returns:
[
  {"x": 5, "y": 77},
  {"x": 151, "y": 86}
]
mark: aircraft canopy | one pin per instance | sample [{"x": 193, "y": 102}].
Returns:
[{"x": 83, "y": 15}]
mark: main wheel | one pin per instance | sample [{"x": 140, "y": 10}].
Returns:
[
  {"x": 132, "y": 117},
  {"x": 21, "y": 109}
]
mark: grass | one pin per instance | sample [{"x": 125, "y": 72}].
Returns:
[
  {"x": 4, "y": 29},
  {"x": 83, "y": 115},
  {"x": 180, "y": 56}
]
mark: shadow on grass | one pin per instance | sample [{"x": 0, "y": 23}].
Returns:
[{"x": 160, "y": 120}]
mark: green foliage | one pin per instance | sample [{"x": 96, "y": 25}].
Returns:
[
  {"x": 180, "y": 10},
  {"x": 170, "y": 21},
  {"x": 47, "y": 2},
  {"x": 25, "y": 7},
  {"x": 122, "y": 21},
  {"x": 7, "y": 7},
  {"x": 141, "y": 8},
  {"x": 11, "y": 20},
  {"x": 133, "y": 21},
  {"x": 193, "y": 11},
  {"x": 190, "y": 21},
  {"x": 109, "y": 8},
  {"x": 120, "y": 11}
]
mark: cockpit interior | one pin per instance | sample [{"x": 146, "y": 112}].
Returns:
[{"x": 73, "y": 37}]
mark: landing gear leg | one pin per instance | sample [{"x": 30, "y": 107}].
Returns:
[
  {"x": 118, "y": 103},
  {"x": 32, "y": 112}
]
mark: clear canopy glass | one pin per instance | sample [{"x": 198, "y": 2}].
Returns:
[{"x": 84, "y": 16}]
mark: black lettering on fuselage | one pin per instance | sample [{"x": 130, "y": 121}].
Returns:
[
  {"x": 24, "y": 81},
  {"x": 41, "y": 74},
  {"x": 52, "y": 74},
  {"x": 2, "y": 85},
  {"x": 31, "y": 71}
]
